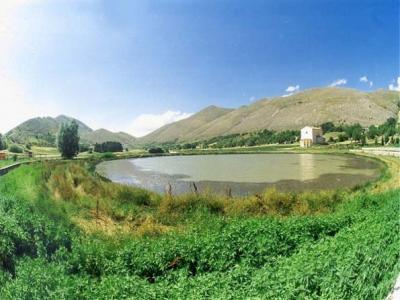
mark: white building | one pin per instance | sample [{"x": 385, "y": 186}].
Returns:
[{"x": 311, "y": 135}]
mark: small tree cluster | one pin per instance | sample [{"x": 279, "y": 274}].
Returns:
[
  {"x": 108, "y": 147},
  {"x": 15, "y": 149},
  {"x": 156, "y": 150}
]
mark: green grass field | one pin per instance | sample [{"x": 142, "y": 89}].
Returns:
[{"x": 68, "y": 234}]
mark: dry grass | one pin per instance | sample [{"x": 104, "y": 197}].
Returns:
[{"x": 98, "y": 205}]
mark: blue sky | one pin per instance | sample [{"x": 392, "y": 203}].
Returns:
[{"x": 136, "y": 65}]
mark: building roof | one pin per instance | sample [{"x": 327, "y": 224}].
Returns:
[{"x": 312, "y": 127}]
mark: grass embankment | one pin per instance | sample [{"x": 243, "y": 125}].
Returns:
[
  {"x": 9, "y": 162},
  {"x": 57, "y": 220}
]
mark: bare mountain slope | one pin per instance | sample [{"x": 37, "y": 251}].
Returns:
[
  {"x": 311, "y": 107},
  {"x": 104, "y": 135},
  {"x": 182, "y": 129}
]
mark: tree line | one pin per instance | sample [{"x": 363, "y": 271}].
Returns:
[{"x": 386, "y": 133}]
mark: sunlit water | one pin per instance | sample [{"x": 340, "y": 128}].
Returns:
[{"x": 243, "y": 173}]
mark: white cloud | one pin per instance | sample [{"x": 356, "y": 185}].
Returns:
[
  {"x": 252, "y": 98},
  {"x": 366, "y": 80},
  {"x": 338, "y": 82},
  {"x": 292, "y": 88},
  {"x": 146, "y": 123},
  {"x": 394, "y": 87}
]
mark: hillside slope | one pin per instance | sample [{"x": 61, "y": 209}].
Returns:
[
  {"x": 42, "y": 130},
  {"x": 311, "y": 107},
  {"x": 104, "y": 135},
  {"x": 183, "y": 129}
]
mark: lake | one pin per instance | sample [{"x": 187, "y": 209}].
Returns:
[{"x": 243, "y": 173}]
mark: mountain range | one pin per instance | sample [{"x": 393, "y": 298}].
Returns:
[{"x": 310, "y": 107}]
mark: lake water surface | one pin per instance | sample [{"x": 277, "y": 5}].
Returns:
[{"x": 243, "y": 173}]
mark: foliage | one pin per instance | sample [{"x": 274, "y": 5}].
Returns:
[
  {"x": 252, "y": 139},
  {"x": 156, "y": 150},
  {"x": 373, "y": 132},
  {"x": 108, "y": 147},
  {"x": 3, "y": 144},
  {"x": 84, "y": 148},
  {"x": 68, "y": 140},
  {"x": 108, "y": 155},
  {"x": 15, "y": 149}
]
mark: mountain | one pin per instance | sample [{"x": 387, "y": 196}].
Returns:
[
  {"x": 310, "y": 107},
  {"x": 103, "y": 135},
  {"x": 182, "y": 130},
  {"x": 43, "y": 131},
  {"x": 83, "y": 128}
]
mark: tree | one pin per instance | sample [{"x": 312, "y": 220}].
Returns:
[
  {"x": 2, "y": 143},
  {"x": 372, "y": 131},
  {"x": 363, "y": 140},
  {"x": 327, "y": 127},
  {"x": 68, "y": 140},
  {"x": 354, "y": 132}
]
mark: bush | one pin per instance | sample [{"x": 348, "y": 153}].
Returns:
[
  {"x": 84, "y": 148},
  {"x": 136, "y": 196},
  {"x": 15, "y": 149},
  {"x": 108, "y": 155},
  {"x": 156, "y": 150},
  {"x": 108, "y": 147}
]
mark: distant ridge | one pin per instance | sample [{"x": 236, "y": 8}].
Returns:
[
  {"x": 104, "y": 135},
  {"x": 310, "y": 107},
  {"x": 43, "y": 131}
]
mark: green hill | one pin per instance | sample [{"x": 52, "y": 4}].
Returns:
[
  {"x": 103, "y": 135},
  {"x": 43, "y": 131},
  {"x": 311, "y": 107}
]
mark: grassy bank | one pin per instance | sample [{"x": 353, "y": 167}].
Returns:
[{"x": 68, "y": 234}]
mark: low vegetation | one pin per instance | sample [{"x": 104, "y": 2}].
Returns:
[
  {"x": 108, "y": 147},
  {"x": 69, "y": 234}
]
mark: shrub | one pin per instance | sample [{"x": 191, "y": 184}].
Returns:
[
  {"x": 108, "y": 155},
  {"x": 156, "y": 150},
  {"x": 84, "y": 148},
  {"x": 136, "y": 196},
  {"x": 15, "y": 149},
  {"x": 108, "y": 147}
]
